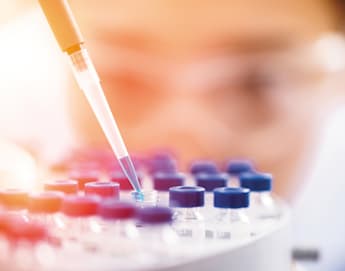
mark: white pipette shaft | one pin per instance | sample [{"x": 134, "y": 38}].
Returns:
[
  {"x": 64, "y": 26},
  {"x": 88, "y": 80}
]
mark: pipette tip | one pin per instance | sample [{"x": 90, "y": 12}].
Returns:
[{"x": 129, "y": 170}]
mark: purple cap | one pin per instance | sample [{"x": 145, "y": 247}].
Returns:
[
  {"x": 164, "y": 181},
  {"x": 186, "y": 196},
  {"x": 45, "y": 202},
  {"x": 161, "y": 162},
  {"x": 14, "y": 198},
  {"x": 210, "y": 181},
  {"x": 154, "y": 215},
  {"x": 122, "y": 180},
  {"x": 65, "y": 186},
  {"x": 80, "y": 206},
  {"x": 103, "y": 189},
  {"x": 236, "y": 167},
  {"x": 203, "y": 166},
  {"x": 84, "y": 176},
  {"x": 114, "y": 209}
]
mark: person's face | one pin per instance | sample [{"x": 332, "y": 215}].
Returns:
[{"x": 208, "y": 79}]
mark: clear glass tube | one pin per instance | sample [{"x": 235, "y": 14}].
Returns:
[
  {"x": 145, "y": 198},
  {"x": 189, "y": 223},
  {"x": 115, "y": 232},
  {"x": 263, "y": 211},
  {"x": 230, "y": 224}
]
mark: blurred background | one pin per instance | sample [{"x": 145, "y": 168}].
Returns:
[{"x": 260, "y": 80}]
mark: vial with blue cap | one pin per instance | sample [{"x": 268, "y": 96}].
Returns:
[
  {"x": 264, "y": 209},
  {"x": 118, "y": 223},
  {"x": 188, "y": 201},
  {"x": 157, "y": 238},
  {"x": 210, "y": 181},
  {"x": 231, "y": 221},
  {"x": 237, "y": 167},
  {"x": 162, "y": 182}
]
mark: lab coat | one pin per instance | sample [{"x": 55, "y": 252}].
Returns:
[{"x": 33, "y": 113}]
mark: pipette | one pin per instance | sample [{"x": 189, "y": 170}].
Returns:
[{"x": 68, "y": 35}]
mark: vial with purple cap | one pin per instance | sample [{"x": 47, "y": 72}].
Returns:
[
  {"x": 162, "y": 182},
  {"x": 210, "y": 181},
  {"x": 118, "y": 223},
  {"x": 237, "y": 167},
  {"x": 157, "y": 238},
  {"x": 187, "y": 202}
]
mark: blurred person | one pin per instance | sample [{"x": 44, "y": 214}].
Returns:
[{"x": 212, "y": 79}]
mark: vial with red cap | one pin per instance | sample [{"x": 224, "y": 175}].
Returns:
[
  {"x": 14, "y": 201},
  {"x": 64, "y": 186},
  {"x": 44, "y": 208},
  {"x": 118, "y": 227},
  {"x": 28, "y": 246},
  {"x": 80, "y": 223},
  {"x": 103, "y": 189},
  {"x": 84, "y": 176}
]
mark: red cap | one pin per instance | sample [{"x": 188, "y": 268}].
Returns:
[
  {"x": 103, "y": 189},
  {"x": 14, "y": 198},
  {"x": 65, "y": 186},
  {"x": 45, "y": 202},
  {"x": 80, "y": 206},
  {"x": 84, "y": 176},
  {"x": 120, "y": 178}
]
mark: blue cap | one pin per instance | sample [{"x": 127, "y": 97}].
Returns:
[
  {"x": 210, "y": 181},
  {"x": 114, "y": 209},
  {"x": 163, "y": 181},
  {"x": 186, "y": 196},
  {"x": 236, "y": 167},
  {"x": 256, "y": 182},
  {"x": 154, "y": 215},
  {"x": 203, "y": 167},
  {"x": 229, "y": 197}
]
